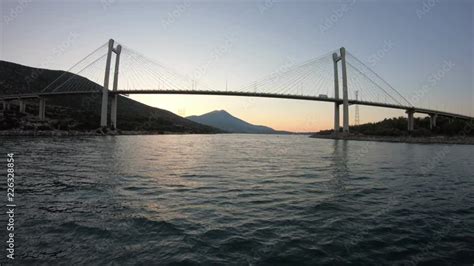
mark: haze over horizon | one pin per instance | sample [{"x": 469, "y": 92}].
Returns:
[{"x": 419, "y": 45}]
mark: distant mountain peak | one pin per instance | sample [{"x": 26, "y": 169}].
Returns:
[
  {"x": 219, "y": 112},
  {"x": 223, "y": 120}
]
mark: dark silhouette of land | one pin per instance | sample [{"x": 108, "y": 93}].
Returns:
[
  {"x": 80, "y": 112},
  {"x": 221, "y": 119},
  {"x": 447, "y": 130}
]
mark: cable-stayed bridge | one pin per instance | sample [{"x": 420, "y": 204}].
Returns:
[{"x": 335, "y": 77}]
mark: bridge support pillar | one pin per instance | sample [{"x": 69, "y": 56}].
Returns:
[
  {"x": 337, "y": 126},
  {"x": 433, "y": 118},
  {"x": 345, "y": 95},
  {"x": 411, "y": 120},
  {"x": 113, "y": 111},
  {"x": 105, "y": 90},
  {"x": 42, "y": 109},
  {"x": 22, "y": 106},
  {"x": 335, "y": 58},
  {"x": 4, "y": 105}
]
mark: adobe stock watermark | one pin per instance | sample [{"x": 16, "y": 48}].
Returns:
[
  {"x": 391, "y": 202},
  {"x": 182, "y": 111},
  {"x": 10, "y": 213},
  {"x": 426, "y": 8},
  {"x": 275, "y": 76},
  {"x": 441, "y": 154},
  {"x": 430, "y": 246},
  {"x": 376, "y": 57},
  {"x": 432, "y": 80},
  {"x": 265, "y": 5},
  {"x": 336, "y": 15},
  {"x": 175, "y": 14},
  {"x": 217, "y": 53},
  {"x": 438, "y": 157},
  {"x": 359, "y": 236},
  {"x": 289, "y": 63},
  {"x": 461, "y": 193},
  {"x": 16, "y": 11},
  {"x": 56, "y": 52},
  {"x": 106, "y": 4}
]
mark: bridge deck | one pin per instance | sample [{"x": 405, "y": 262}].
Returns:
[{"x": 244, "y": 94}]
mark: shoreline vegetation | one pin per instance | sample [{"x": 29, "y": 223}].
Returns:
[
  {"x": 446, "y": 131},
  {"x": 387, "y": 130},
  {"x": 79, "y": 133},
  {"x": 14, "y": 123},
  {"x": 62, "y": 123},
  {"x": 466, "y": 140}
]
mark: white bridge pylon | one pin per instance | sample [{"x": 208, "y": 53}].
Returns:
[
  {"x": 345, "y": 95},
  {"x": 105, "y": 91}
]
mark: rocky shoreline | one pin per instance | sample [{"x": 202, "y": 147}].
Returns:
[{"x": 466, "y": 140}]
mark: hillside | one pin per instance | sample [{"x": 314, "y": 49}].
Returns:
[
  {"x": 226, "y": 122},
  {"x": 75, "y": 112},
  {"x": 396, "y": 127}
]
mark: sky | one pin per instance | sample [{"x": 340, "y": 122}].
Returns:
[{"x": 422, "y": 48}]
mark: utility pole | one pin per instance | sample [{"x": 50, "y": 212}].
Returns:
[
  {"x": 113, "y": 109},
  {"x": 356, "y": 114},
  {"x": 335, "y": 59}
]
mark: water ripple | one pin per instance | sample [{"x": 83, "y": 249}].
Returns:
[{"x": 240, "y": 200}]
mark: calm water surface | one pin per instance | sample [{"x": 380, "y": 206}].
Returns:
[{"x": 241, "y": 199}]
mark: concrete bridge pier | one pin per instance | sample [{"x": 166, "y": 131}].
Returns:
[
  {"x": 411, "y": 120},
  {"x": 337, "y": 125},
  {"x": 113, "y": 112},
  {"x": 433, "y": 118},
  {"x": 42, "y": 109},
  {"x": 22, "y": 105},
  {"x": 4, "y": 105}
]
